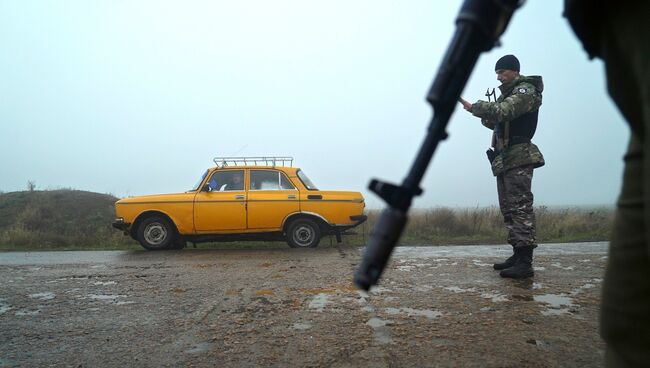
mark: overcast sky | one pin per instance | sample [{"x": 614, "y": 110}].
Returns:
[{"x": 137, "y": 97}]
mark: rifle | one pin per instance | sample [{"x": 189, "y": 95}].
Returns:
[
  {"x": 493, "y": 145},
  {"x": 479, "y": 25}
]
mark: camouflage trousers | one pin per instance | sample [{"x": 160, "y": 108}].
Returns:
[{"x": 516, "y": 204}]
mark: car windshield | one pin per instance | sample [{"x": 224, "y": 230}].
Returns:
[
  {"x": 305, "y": 180},
  {"x": 196, "y": 186}
]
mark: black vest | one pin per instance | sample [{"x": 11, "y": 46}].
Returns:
[{"x": 522, "y": 129}]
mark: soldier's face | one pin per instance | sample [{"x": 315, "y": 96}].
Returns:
[{"x": 505, "y": 75}]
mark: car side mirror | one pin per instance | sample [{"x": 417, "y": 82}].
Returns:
[{"x": 206, "y": 188}]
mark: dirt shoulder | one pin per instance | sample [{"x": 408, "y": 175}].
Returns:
[{"x": 436, "y": 306}]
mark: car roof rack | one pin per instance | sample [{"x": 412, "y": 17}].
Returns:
[{"x": 256, "y": 161}]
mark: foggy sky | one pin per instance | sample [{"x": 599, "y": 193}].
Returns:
[{"x": 137, "y": 97}]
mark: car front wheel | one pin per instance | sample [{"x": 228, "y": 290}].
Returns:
[
  {"x": 303, "y": 233},
  {"x": 156, "y": 233}
]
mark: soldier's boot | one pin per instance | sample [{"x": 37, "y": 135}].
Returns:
[
  {"x": 523, "y": 266},
  {"x": 508, "y": 262}
]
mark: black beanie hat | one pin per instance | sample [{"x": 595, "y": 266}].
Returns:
[{"x": 508, "y": 62}]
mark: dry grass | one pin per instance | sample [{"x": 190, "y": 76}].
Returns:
[{"x": 443, "y": 225}]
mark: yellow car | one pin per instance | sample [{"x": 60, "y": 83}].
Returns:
[{"x": 242, "y": 198}]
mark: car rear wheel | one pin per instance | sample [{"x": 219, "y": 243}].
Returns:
[
  {"x": 156, "y": 233},
  {"x": 303, "y": 233}
]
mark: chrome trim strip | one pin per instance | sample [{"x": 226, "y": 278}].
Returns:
[
  {"x": 273, "y": 200},
  {"x": 163, "y": 202}
]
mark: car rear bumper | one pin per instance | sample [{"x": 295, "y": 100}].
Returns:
[{"x": 359, "y": 219}]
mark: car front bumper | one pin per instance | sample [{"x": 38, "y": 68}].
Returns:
[{"x": 121, "y": 225}]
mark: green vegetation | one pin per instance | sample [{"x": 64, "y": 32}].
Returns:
[
  {"x": 72, "y": 219},
  {"x": 58, "y": 220}
]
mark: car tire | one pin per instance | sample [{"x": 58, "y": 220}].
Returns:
[
  {"x": 156, "y": 233},
  {"x": 303, "y": 233}
]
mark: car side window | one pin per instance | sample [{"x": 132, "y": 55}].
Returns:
[
  {"x": 269, "y": 180},
  {"x": 224, "y": 181},
  {"x": 285, "y": 184}
]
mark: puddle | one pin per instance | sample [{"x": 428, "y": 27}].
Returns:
[
  {"x": 558, "y": 305},
  {"x": 495, "y": 297},
  {"x": 375, "y": 322},
  {"x": 105, "y": 297},
  {"x": 43, "y": 296},
  {"x": 382, "y": 334},
  {"x": 301, "y": 326},
  {"x": 554, "y": 300},
  {"x": 431, "y": 314},
  {"x": 319, "y": 302},
  {"x": 438, "y": 253},
  {"x": 200, "y": 348},
  {"x": 104, "y": 283},
  {"x": 4, "y": 307},
  {"x": 456, "y": 289},
  {"x": 28, "y": 312},
  {"x": 559, "y": 265},
  {"x": 124, "y": 302},
  {"x": 379, "y": 290},
  {"x": 406, "y": 268}
]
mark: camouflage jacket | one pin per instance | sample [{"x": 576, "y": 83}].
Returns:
[{"x": 518, "y": 97}]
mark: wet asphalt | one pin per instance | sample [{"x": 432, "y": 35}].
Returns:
[{"x": 436, "y": 306}]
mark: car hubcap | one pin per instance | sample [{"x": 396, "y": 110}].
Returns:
[
  {"x": 303, "y": 235},
  {"x": 155, "y": 233}
]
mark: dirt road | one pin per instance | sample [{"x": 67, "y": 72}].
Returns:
[{"x": 437, "y": 306}]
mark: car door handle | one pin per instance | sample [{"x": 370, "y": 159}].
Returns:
[
  {"x": 240, "y": 196},
  {"x": 291, "y": 196}
]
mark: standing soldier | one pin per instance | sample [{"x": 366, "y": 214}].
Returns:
[{"x": 513, "y": 118}]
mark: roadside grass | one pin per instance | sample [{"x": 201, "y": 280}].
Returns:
[
  {"x": 484, "y": 225},
  {"x": 69, "y": 219}
]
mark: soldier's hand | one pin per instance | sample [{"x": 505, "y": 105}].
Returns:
[{"x": 466, "y": 105}]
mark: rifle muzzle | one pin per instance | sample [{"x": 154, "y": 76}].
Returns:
[{"x": 383, "y": 239}]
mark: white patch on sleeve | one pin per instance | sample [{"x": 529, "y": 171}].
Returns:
[{"x": 522, "y": 90}]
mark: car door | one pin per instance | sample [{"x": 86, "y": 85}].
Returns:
[
  {"x": 271, "y": 198},
  {"x": 221, "y": 205}
]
